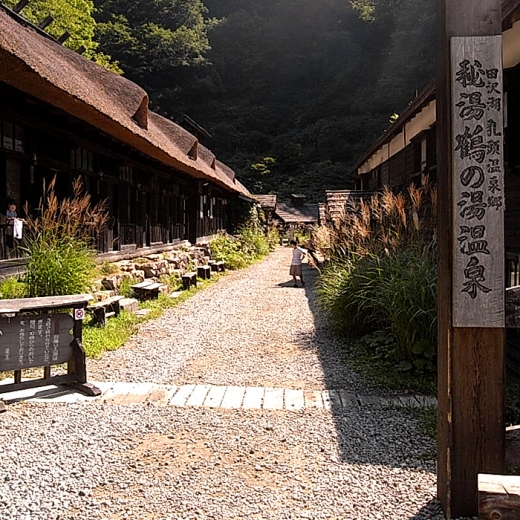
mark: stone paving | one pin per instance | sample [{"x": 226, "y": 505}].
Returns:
[{"x": 214, "y": 396}]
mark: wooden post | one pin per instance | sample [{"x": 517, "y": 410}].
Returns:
[{"x": 471, "y": 429}]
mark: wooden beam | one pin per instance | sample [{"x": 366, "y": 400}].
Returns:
[
  {"x": 64, "y": 37},
  {"x": 20, "y": 5},
  {"x": 498, "y": 497},
  {"x": 45, "y": 23},
  {"x": 471, "y": 358}
]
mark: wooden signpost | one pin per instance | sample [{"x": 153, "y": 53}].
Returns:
[
  {"x": 35, "y": 332},
  {"x": 471, "y": 429}
]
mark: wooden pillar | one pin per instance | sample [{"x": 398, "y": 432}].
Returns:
[{"x": 471, "y": 429}]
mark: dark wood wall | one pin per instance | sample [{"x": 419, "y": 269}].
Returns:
[{"x": 149, "y": 204}]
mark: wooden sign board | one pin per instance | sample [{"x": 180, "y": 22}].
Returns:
[
  {"x": 478, "y": 182},
  {"x": 35, "y": 340}
]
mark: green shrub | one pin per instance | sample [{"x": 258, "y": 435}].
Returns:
[
  {"x": 273, "y": 238},
  {"x": 173, "y": 281},
  {"x": 253, "y": 242},
  {"x": 125, "y": 287},
  {"x": 59, "y": 266},
  {"x": 228, "y": 249},
  {"x": 106, "y": 268},
  {"x": 393, "y": 293},
  {"x": 12, "y": 288},
  {"x": 58, "y": 243}
]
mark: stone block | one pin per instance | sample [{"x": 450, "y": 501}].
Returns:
[
  {"x": 148, "y": 272},
  {"x": 129, "y": 305}
]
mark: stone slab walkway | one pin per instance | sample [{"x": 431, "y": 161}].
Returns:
[{"x": 213, "y": 396}]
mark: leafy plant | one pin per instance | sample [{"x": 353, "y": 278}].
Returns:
[
  {"x": 125, "y": 287},
  {"x": 106, "y": 268},
  {"x": 249, "y": 244}
]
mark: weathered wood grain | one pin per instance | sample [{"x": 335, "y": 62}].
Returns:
[
  {"x": 498, "y": 497},
  {"x": 470, "y": 360}
]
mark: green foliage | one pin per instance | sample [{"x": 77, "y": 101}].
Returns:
[
  {"x": 97, "y": 340},
  {"x": 249, "y": 244},
  {"x": 365, "y": 8},
  {"x": 228, "y": 249},
  {"x": 58, "y": 243},
  {"x": 173, "y": 281},
  {"x": 106, "y": 269},
  {"x": 273, "y": 238},
  {"x": 125, "y": 287},
  {"x": 393, "y": 293},
  {"x": 309, "y": 83},
  {"x": 12, "y": 288},
  {"x": 152, "y": 38},
  {"x": 76, "y": 18},
  {"x": 61, "y": 265},
  {"x": 263, "y": 167}
]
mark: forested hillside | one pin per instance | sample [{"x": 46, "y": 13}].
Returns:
[{"x": 307, "y": 84}]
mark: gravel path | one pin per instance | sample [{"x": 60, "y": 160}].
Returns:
[
  {"x": 251, "y": 329},
  {"x": 101, "y": 461}
]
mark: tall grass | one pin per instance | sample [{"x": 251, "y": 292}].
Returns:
[
  {"x": 59, "y": 242},
  {"x": 381, "y": 274}
]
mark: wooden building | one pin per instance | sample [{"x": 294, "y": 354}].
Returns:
[
  {"x": 268, "y": 205},
  {"x": 407, "y": 149},
  {"x": 296, "y": 214},
  {"x": 63, "y": 116}
]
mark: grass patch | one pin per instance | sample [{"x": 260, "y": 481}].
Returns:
[{"x": 369, "y": 357}]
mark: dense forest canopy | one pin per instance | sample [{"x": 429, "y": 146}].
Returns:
[{"x": 292, "y": 91}]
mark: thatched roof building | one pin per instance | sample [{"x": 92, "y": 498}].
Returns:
[{"x": 41, "y": 67}]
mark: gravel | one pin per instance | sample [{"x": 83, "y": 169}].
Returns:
[{"x": 100, "y": 461}]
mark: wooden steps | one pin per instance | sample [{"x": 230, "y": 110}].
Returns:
[
  {"x": 105, "y": 309},
  {"x": 189, "y": 280},
  {"x": 148, "y": 289},
  {"x": 204, "y": 272}
]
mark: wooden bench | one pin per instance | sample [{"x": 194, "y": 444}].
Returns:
[
  {"x": 148, "y": 289},
  {"x": 105, "y": 309},
  {"x": 189, "y": 280},
  {"x": 498, "y": 497},
  {"x": 204, "y": 272},
  {"x": 33, "y": 334},
  {"x": 219, "y": 266}
]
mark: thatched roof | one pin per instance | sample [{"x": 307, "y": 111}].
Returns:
[
  {"x": 304, "y": 214},
  {"x": 41, "y": 67},
  {"x": 267, "y": 202}
]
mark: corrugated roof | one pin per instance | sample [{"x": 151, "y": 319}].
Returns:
[
  {"x": 41, "y": 67},
  {"x": 341, "y": 201},
  {"x": 304, "y": 214}
]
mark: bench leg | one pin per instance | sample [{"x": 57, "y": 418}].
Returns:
[{"x": 85, "y": 388}]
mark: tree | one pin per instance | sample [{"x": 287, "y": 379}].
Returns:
[
  {"x": 74, "y": 17},
  {"x": 153, "y": 38}
]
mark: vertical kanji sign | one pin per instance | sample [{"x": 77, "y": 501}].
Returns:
[{"x": 478, "y": 187}]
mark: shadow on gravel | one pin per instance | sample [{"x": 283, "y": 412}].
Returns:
[
  {"x": 367, "y": 432},
  {"x": 432, "y": 509}
]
